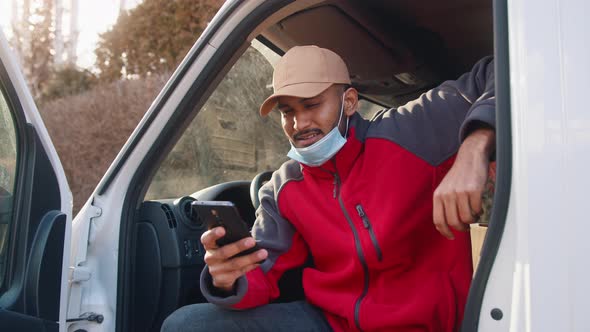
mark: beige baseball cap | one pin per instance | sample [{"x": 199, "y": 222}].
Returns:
[{"x": 305, "y": 72}]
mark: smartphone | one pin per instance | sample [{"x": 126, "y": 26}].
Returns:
[{"x": 226, "y": 215}]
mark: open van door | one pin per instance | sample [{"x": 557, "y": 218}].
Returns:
[{"x": 35, "y": 212}]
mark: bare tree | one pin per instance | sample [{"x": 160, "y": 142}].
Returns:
[
  {"x": 59, "y": 40},
  {"x": 73, "y": 37}
]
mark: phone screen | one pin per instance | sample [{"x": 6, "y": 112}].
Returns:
[{"x": 226, "y": 215}]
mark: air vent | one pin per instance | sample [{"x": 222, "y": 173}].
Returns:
[
  {"x": 169, "y": 216},
  {"x": 187, "y": 209},
  {"x": 185, "y": 214}
]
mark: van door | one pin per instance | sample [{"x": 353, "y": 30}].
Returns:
[{"x": 35, "y": 212}]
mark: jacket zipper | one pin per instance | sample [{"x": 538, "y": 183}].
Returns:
[
  {"x": 359, "y": 251},
  {"x": 367, "y": 225}
]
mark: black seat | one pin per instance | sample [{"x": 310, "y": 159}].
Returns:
[{"x": 257, "y": 182}]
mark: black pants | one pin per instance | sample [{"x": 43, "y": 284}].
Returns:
[{"x": 292, "y": 317}]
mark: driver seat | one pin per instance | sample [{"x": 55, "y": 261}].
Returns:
[{"x": 259, "y": 180}]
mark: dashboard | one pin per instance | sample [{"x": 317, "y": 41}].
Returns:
[{"x": 168, "y": 254}]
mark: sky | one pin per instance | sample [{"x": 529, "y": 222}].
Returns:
[{"x": 95, "y": 16}]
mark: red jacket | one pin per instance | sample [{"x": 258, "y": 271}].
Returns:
[{"x": 365, "y": 217}]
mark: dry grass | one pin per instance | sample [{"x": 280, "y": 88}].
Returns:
[{"x": 89, "y": 129}]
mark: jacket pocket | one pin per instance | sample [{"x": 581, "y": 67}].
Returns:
[{"x": 367, "y": 225}]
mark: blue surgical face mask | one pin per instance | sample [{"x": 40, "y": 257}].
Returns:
[{"x": 324, "y": 149}]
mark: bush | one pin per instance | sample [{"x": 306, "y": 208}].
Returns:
[
  {"x": 68, "y": 81},
  {"x": 89, "y": 129}
]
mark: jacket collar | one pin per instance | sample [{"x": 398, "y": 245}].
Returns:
[{"x": 344, "y": 159}]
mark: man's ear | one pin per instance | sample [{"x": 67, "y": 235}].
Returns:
[{"x": 351, "y": 100}]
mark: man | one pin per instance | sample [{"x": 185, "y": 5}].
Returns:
[{"x": 360, "y": 198}]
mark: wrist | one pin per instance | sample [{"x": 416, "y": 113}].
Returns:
[{"x": 481, "y": 141}]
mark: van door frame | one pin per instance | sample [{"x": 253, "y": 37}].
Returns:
[
  {"x": 503, "y": 173},
  {"x": 227, "y": 53}
]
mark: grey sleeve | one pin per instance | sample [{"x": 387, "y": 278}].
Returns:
[
  {"x": 264, "y": 216},
  {"x": 271, "y": 232},
  {"x": 214, "y": 296},
  {"x": 478, "y": 88},
  {"x": 434, "y": 125}
]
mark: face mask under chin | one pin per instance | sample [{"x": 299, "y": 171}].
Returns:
[{"x": 324, "y": 149}]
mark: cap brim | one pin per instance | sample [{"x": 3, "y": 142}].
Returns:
[{"x": 300, "y": 90}]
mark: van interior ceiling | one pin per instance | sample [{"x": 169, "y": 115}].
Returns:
[{"x": 395, "y": 50}]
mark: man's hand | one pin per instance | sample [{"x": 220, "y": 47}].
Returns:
[
  {"x": 457, "y": 199},
  {"x": 224, "y": 269}
]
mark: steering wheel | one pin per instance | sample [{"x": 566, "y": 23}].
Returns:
[{"x": 260, "y": 179}]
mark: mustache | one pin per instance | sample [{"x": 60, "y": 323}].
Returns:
[{"x": 306, "y": 132}]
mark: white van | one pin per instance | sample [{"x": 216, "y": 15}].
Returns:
[{"x": 132, "y": 255}]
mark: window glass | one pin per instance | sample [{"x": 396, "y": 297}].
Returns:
[
  {"x": 228, "y": 140},
  {"x": 8, "y": 157},
  {"x": 367, "y": 109}
]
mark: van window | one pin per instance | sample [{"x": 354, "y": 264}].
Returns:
[
  {"x": 367, "y": 108},
  {"x": 228, "y": 140}
]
